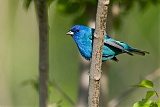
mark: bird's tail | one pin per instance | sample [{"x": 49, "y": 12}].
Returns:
[{"x": 139, "y": 52}]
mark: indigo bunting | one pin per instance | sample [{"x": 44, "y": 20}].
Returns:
[{"x": 83, "y": 37}]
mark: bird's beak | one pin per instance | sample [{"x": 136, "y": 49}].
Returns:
[{"x": 70, "y": 33}]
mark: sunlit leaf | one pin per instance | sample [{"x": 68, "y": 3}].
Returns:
[
  {"x": 150, "y": 94},
  {"x": 145, "y": 83},
  {"x": 143, "y": 103},
  {"x": 158, "y": 103}
]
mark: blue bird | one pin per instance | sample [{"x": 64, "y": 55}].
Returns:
[{"x": 83, "y": 37}]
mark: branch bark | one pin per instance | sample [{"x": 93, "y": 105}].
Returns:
[
  {"x": 95, "y": 69},
  {"x": 43, "y": 52}
]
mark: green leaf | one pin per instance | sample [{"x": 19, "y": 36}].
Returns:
[
  {"x": 153, "y": 104},
  {"x": 26, "y": 4},
  {"x": 146, "y": 84},
  {"x": 158, "y": 103},
  {"x": 143, "y": 103},
  {"x": 150, "y": 94}
]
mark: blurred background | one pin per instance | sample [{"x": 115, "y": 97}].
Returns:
[{"x": 136, "y": 22}]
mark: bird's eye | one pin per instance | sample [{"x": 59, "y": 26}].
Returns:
[{"x": 77, "y": 30}]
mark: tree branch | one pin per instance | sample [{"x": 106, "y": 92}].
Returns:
[
  {"x": 43, "y": 52},
  {"x": 95, "y": 70}
]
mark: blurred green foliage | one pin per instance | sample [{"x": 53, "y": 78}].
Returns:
[
  {"x": 80, "y": 7},
  {"x": 27, "y": 3},
  {"x": 69, "y": 5}
]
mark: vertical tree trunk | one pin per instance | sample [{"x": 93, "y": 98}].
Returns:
[
  {"x": 43, "y": 52},
  {"x": 106, "y": 64},
  {"x": 95, "y": 70},
  {"x": 84, "y": 65}
]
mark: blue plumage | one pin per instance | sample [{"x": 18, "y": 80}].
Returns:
[{"x": 83, "y": 37}]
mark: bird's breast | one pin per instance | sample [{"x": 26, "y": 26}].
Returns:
[{"x": 85, "y": 50}]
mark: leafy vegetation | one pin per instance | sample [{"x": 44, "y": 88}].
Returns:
[
  {"x": 80, "y": 8},
  {"x": 147, "y": 102}
]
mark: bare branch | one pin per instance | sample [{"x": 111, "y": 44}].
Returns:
[{"x": 95, "y": 70}]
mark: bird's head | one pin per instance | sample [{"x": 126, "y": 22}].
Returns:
[{"x": 80, "y": 31}]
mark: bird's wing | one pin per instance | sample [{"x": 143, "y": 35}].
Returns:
[
  {"x": 111, "y": 57},
  {"x": 117, "y": 46}
]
